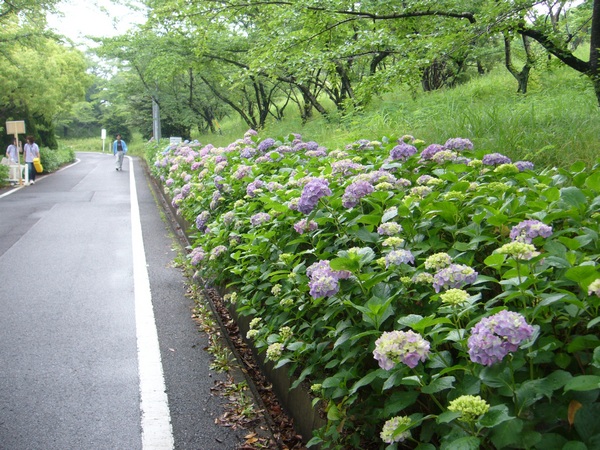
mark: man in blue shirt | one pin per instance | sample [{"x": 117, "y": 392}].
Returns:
[{"x": 119, "y": 150}]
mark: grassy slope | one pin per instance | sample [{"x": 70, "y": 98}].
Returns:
[{"x": 556, "y": 123}]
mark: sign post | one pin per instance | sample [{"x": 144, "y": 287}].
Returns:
[
  {"x": 103, "y": 137},
  {"x": 15, "y": 127}
]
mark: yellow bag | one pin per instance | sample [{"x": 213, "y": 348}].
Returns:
[{"x": 38, "y": 165}]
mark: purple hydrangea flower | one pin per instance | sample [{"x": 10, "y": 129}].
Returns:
[
  {"x": 495, "y": 159},
  {"x": 216, "y": 198},
  {"x": 202, "y": 220},
  {"x": 196, "y": 255},
  {"x": 176, "y": 200},
  {"x": 218, "y": 251},
  {"x": 312, "y": 192},
  {"x": 323, "y": 281},
  {"x": 454, "y": 276},
  {"x": 354, "y": 192},
  {"x": 266, "y": 145},
  {"x": 524, "y": 165},
  {"x": 431, "y": 150},
  {"x": 304, "y": 226},
  {"x": 397, "y": 257},
  {"x": 424, "y": 179},
  {"x": 218, "y": 180},
  {"x": 406, "y": 347},
  {"x": 402, "y": 151},
  {"x": 527, "y": 230},
  {"x": 242, "y": 171},
  {"x": 458, "y": 144},
  {"x": 252, "y": 187},
  {"x": 185, "y": 190},
  {"x": 248, "y": 152},
  {"x": 496, "y": 336},
  {"x": 259, "y": 219}
]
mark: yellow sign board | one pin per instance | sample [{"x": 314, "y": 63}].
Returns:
[{"x": 15, "y": 127}]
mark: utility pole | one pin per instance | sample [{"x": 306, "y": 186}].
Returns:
[{"x": 155, "y": 120}]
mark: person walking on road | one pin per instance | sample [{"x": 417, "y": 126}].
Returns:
[
  {"x": 31, "y": 151},
  {"x": 119, "y": 150},
  {"x": 12, "y": 152}
]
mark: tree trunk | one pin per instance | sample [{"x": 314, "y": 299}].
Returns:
[{"x": 522, "y": 77}]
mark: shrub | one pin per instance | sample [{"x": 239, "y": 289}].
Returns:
[{"x": 434, "y": 296}]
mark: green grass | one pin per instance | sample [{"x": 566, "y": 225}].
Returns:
[{"x": 555, "y": 124}]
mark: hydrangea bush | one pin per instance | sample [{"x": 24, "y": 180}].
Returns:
[{"x": 433, "y": 295}]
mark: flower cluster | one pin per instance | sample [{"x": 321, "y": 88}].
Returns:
[
  {"x": 406, "y": 347},
  {"x": 323, "y": 281},
  {"x": 312, "y": 192},
  {"x": 389, "y": 229},
  {"x": 259, "y": 218},
  {"x": 496, "y": 336},
  {"x": 274, "y": 351},
  {"x": 470, "y": 407},
  {"x": 217, "y": 251},
  {"x": 518, "y": 250},
  {"x": 438, "y": 261},
  {"x": 402, "y": 151},
  {"x": 458, "y": 144},
  {"x": 397, "y": 257},
  {"x": 495, "y": 159},
  {"x": 202, "y": 220},
  {"x": 528, "y": 230},
  {"x": 594, "y": 287},
  {"x": 254, "y": 188},
  {"x": 389, "y": 433},
  {"x": 354, "y": 192},
  {"x": 196, "y": 255},
  {"x": 454, "y": 297},
  {"x": 304, "y": 226},
  {"x": 454, "y": 276}
]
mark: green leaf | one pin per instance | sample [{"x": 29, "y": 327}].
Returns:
[
  {"x": 399, "y": 401},
  {"x": 367, "y": 379},
  {"x": 333, "y": 413},
  {"x": 495, "y": 415},
  {"x": 282, "y": 362},
  {"x": 582, "y": 274},
  {"x": 439, "y": 385},
  {"x": 586, "y": 421},
  {"x": 573, "y": 196},
  {"x": 593, "y": 181},
  {"x": 507, "y": 433},
  {"x": 389, "y": 215},
  {"x": 447, "y": 210},
  {"x": 495, "y": 260},
  {"x": 464, "y": 443},
  {"x": 351, "y": 265},
  {"x": 583, "y": 383},
  {"x": 447, "y": 416}
]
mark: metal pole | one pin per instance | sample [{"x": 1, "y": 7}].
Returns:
[
  {"x": 155, "y": 120},
  {"x": 18, "y": 158}
]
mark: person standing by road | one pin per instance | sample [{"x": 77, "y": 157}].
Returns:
[
  {"x": 119, "y": 150},
  {"x": 12, "y": 152},
  {"x": 31, "y": 151}
]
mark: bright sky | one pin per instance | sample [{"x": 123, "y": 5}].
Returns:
[{"x": 99, "y": 18}]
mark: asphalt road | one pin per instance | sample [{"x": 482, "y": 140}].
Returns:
[{"x": 97, "y": 346}]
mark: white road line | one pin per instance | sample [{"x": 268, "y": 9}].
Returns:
[{"x": 157, "y": 432}]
